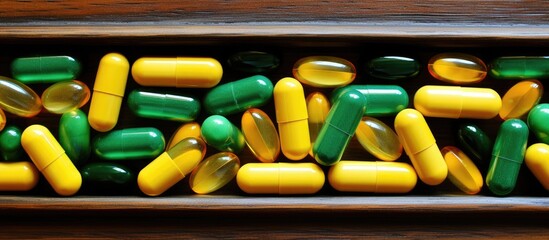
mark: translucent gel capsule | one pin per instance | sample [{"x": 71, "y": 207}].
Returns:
[
  {"x": 107, "y": 175},
  {"x": 18, "y": 99},
  {"x": 383, "y": 100},
  {"x": 324, "y": 71},
  {"x": 218, "y": 132},
  {"x": 520, "y": 67},
  {"x": 474, "y": 141},
  {"x": 129, "y": 143},
  {"x": 457, "y": 68},
  {"x": 10, "y": 144},
  {"x": 3, "y": 119},
  {"x": 65, "y": 96},
  {"x": 186, "y": 130},
  {"x": 318, "y": 107},
  {"x": 171, "y": 166},
  {"x": 18, "y": 176},
  {"x": 520, "y": 98},
  {"x": 45, "y": 69},
  {"x": 537, "y": 160},
  {"x": 280, "y": 178},
  {"x": 253, "y": 62},
  {"x": 74, "y": 136},
  {"x": 163, "y": 105},
  {"x": 214, "y": 172},
  {"x": 537, "y": 121},
  {"x": 261, "y": 135},
  {"x": 393, "y": 67},
  {"x": 378, "y": 139},
  {"x": 462, "y": 172}
]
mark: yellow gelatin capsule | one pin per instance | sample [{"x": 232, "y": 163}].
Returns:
[
  {"x": 50, "y": 159},
  {"x": 108, "y": 91},
  {"x": 291, "y": 115},
  {"x": 181, "y": 72},
  {"x": 420, "y": 146},
  {"x": 18, "y": 176},
  {"x": 3, "y": 119},
  {"x": 318, "y": 107},
  {"x": 462, "y": 172},
  {"x": 520, "y": 99},
  {"x": 17, "y": 98},
  {"x": 457, "y": 102},
  {"x": 378, "y": 139},
  {"x": 324, "y": 71},
  {"x": 280, "y": 178},
  {"x": 457, "y": 68},
  {"x": 374, "y": 177},
  {"x": 186, "y": 130},
  {"x": 537, "y": 160},
  {"x": 65, "y": 96},
  {"x": 214, "y": 172},
  {"x": 261, "y": 135}
]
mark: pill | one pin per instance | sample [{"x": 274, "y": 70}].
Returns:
[
  {"x": 218, "y": 132},
  {"x": 253, "y": 62},
  {"x": 537, "y": 160},
  {"x": 45, "y": 69},
  {"x": 324, "y": 71},
  {"x": 291, "y": 116},
  {"x": 393, "y": 67},
  {"x": 186, "y": 130},
  {"x": 129, "y": 143},
  {"x": 383, "y": 100},
  {"x": 74, "y": 136},
  {"x": 462, "y": 172},
  {"x": 10, "y": 144},
  {"x": 537, "y": 121},
  {"x": 50, "y": 159},
  {"x": 108, "y": 91},
  {"x": 171, "y": 166},
  {"x": 520, "y": 67},
  {"x": 457, "y": 102},
  {"x": 18, "y": 176},
  {"x": 318, "y": 107},
  {"x": 420, "y": 146},
  {"x": 18, "y": 99},
  {"x": 378, "y": 139},
  {"x": 340, "y": 126},
  {"x": 106, "y": 175},
  {"x": 214, "y": 172},
  {"x": 260, "y": 135},
  {"x": 181, "y": 72},
  {"x": 507, "y": 157},
  {"x": 475, "y": 143},
  {"x": 65, "y": 96},
  {"x": 520, "y": 98},
  {"x": 374, "y": 177},
  {"x": 3, "y": 119},
  {"x": 237, "y": 96},
  {"x": 457, "y": 68},
  {"x": 163, "y": 105},
  {"x": 280, "y": 178}
]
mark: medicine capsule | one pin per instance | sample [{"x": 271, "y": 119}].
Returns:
[
  {"x": 130, "y": 143},
  {"x": 475, "y": 143},
  {"x": 420, "y": 146},
  {"x": 340, "y": 126},
  {"x": 457, "y": 68},
  {"x": 237, "y": 96},
  {"x": 18, "y": 176},
  {"x": 291, "y": 116},
  {"x": 50, "y": 159},
  {"x": 18, "y": 99},
  {"x": 45, "y": 69},
  {"x": 537, "y": 160},
  {"x": 462, "y": 172},
  {"x": 382, "y": 100},
  {"x": 318, "y": 107},
  {"x": 65, "y": 96},
  {"x": 10, "y": 144},
  {"x": 537, "y": 121},
  {"x": 253, "y": 62},
  {"x": 106, "y": 175},
  {"x": 181, "y": 72},
  {"x": 393, "y": 67},
  {"x": 261, "y": 135},
  {"x": 507, "y": 157},
  {"x": 378, "y": 139},
  {"x": 457, "y": 102},
  {"x": 163, "y": 105},
  {"x": 324, "y": 71},
  {"x": 218, "y": 132},
  {"x": 74, "y": 136},
  {"x": 186, "y": 130},
  {"x": 3, "y": 119},
  {"x": 214, "y": 172},
  {"x": 280, "y": 178},
  {"x": 171, "y": 167},
  {"x": 520, "y": 67},
  {"x": 108, "y": 91},
  {"x": 520, "y": 98},
  {"x": 374, "y": 177}
]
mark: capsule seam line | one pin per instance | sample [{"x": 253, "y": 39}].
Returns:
[
  {"x": 508, "y": 159},
  {"x": 108, "y": 93},
  {"x": 346, "y": 133},
  {"x": 53, "y": 161},
  {"x": 234, "y": 97}
]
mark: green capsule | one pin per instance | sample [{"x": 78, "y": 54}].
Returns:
[
  {"x": 214, "y": 172},
  {"x": 130, "y": 143},
  {"x": 474, "y": 142},
  {"x": 237, "y": 96},
  {"x": 253, "y": 62},
  {"x": 537, "y": 121},
  {"x": 46, "y": 69},
  {"x": 340, "y": 126},
  {"x": 520, "y": 67},
  {"x": 10, "y": 144},
  {"x": 161, "y": 105},
  {"x": 106, "y": 175},
  {"x": 382, "y": 100},
  {"x": 393, "y": 67},
  {"x": 74, "y": 136},
  {"x": 218, "y": 132},
  {"x": 507, "y": 157}
]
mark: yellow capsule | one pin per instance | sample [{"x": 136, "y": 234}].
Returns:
[
  {"x": 457, "y": 102},
  {"x": 291, "y": 115},
  {"x": 181, "y": 72},
  {"x": 457, "y": 68},
  {"x": 462, "y": 172},
  {"x": 378, "y": 139},
  {"x": 17, "y": 98},
  {"x": 261, "y": 135},
  {"x": 3, "y": 119},
  {"x": 520, "y": 99},
  {"x": 375, "y": 177},
  {"x": 50, "y": 159},
  {"x": 65, "y": 96},
  {"x": 214, "y": 172},
  {"x": 318, "y": 107},
  {"x": 280, "y": 178},
  {"x": 18, "y": 176},
  {"x": 108, "y": 91},
  {"x": 537, "y": 160},
  {"x": 420, "y": 146},
  {"x": 324, "y": 71},
  {"x": 186, "y": 130}
]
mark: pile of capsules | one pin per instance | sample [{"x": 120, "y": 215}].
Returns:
[{"x": 306, "y": 125}]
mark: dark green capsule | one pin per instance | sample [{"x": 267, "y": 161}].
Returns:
[
  {"x": 475, "y": 143},
  {"x": 538, "y": 121},
  {"x": 10, "y": 144},
  {"x": 130, "y": 143},
  {"x": 520, "y": 67},
  {"x": 382, "y": 100},
  {"x": 74, "y": 136},
  {"x": 218, "y": 132},
  {"x": 163, "y": 105},
  {"x": 106, "y": 173},
  {"x": 393, "y": 67},
  {"x": 45, "y": 69},
  {"x": 253, "y": 62}
]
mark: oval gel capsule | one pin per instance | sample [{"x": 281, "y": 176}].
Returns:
[
  {"x": 253, "y": 62},
  {"x": 520, "y": 98},
  {"x": 462, "y": 172},
  {"x": 378, "y": 139},
  {"x": 393, "y": 67},
  {"x": 537, "y": 160},
  {"x": 18, "y": 176},
  {"x": 261, "y": 135},
  {"x": 163, "y": 105},
  {"x": 324, "y": 71},
  {"x": 214, "y": 172},
  {"x": 218, "y": 132},
  {"x": 65, "y": 96},
  {"x": 474, "y": 141},
  {"x": 74, "y": 136},
  {"x": 10, "y": 144},
  {"x": 537, "y": 121},
  {"x": 18, "y": 99},
  {"x": 45, "y": 69},
  {"x": 3, "y": 119},
  {"x": 318, "y": 108},
  {"x": 186, "y": 130},
  {"x": 107, "y": 175},
  {"x": 457, "y": 68},
  {"x": 520, "y": 67},
  {"x": 280, "y": 178},
  {"x": 129, "y": 143},
  {"x": 382, "y": 100}
]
